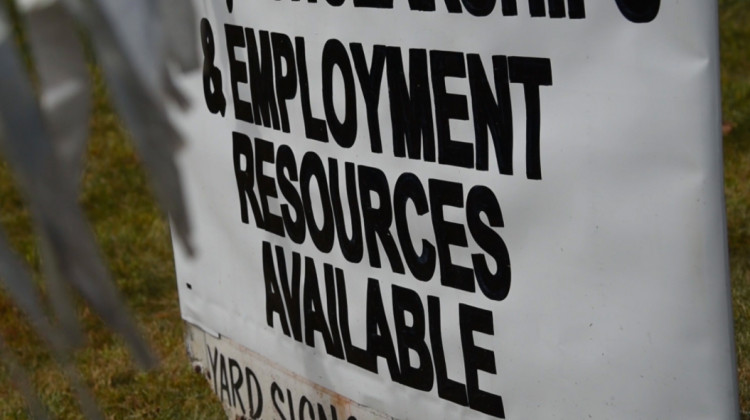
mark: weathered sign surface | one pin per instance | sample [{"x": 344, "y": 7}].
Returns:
[{"x": 458, "y": 209}]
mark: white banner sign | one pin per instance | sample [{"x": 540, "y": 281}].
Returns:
[{"x": 459, "y": 209}]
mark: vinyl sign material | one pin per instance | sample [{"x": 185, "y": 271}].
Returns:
[{"x": 458, "y": 209}]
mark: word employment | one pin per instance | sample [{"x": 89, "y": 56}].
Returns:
[{"x": 420, "y": 117}]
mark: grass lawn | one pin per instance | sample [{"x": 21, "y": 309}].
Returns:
[
  {"x": 735, "y": 82},
  {"x": 134, "y": 238}
]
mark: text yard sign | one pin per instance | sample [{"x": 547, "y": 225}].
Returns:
[{"x": 443, "y": 209}]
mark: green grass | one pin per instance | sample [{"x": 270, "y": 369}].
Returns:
[
  {"x": 134, "y": 239},
  {"x": 735, "y": 78}
]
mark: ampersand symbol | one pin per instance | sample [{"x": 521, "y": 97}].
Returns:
[
  {"x": 211, "y": 74},
  {"x": 639, "y": 11}
]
